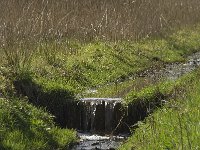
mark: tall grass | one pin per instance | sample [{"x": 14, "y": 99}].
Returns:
[
  {"x": 25, "y": 24},
  {"x": 91, "y": 19}
]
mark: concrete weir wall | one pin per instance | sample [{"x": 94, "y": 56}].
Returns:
[
  {"x": 106, "y": 115},
  {"x": 95, "y": 115}
]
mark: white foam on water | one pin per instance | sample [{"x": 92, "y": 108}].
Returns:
[{"x": 87, "y": 136}]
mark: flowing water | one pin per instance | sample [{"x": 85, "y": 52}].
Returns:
[
  {"x": 99, "y": 120},
  {"x": 174, "y": 71},
  {"x": 93, "y": 141},
  {"x": 101, "y": 116}
]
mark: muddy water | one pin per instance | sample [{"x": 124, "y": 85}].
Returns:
[{"x": 89, "y": 139}]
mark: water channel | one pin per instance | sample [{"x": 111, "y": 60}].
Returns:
[{"x": 101, "y": 116}]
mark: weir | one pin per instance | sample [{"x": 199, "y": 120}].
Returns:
[
  {"x": 102, "y": 116},
  {"x": 99, "y": 115},
  {"x": 99, "y": 120}
]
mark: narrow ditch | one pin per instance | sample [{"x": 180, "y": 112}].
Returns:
[
  {"x": 106, "y": 122},
  {"x": 102, "y": 123}
]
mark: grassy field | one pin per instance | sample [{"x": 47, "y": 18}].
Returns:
[
  {"x": 176, "y": 124},
  {"x": 52, "y": 52},
  {"x": 58, "y": 76}
]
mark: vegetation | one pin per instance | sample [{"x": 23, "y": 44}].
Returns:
[
  {"x": 56, "y": 82},
  {"x": 24, "y": 126},
  {"x": 175, "y": 125},
  {"x": 55, "y": 51},
  {"x": 133, "y": 58},
  {"x": 90, "y": 19},
  {"x": 96, "y": 64}
]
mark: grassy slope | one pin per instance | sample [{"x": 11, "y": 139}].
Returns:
[
  {"x": 75, "y": 66},
  {"x": 140, "y": 56},
  {"x": 24, "y": 126},
  {"x": 176, "y": 125}
]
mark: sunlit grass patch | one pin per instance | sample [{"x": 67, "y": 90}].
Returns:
[
  {"x": 176, "y": 125},
  {"x": 23, "y": 126}
]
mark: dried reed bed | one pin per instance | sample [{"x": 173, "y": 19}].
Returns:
[{"x": 93, "y": 19}]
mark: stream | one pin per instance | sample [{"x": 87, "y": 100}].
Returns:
[
  {"x": 101, "y": 116},
  {"x": 93, "y": 141}
]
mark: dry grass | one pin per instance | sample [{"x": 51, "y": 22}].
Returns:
[
  {"x": 93, "y": 19},
  {"x": 25, "y": 25}
]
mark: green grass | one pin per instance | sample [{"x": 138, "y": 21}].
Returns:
[
  {"x": 23, "y": 126},
  {"x": 79, "y": 66},
  {"x": 176, "y": 125},
  {"x": 59, "y": 71},
  {"x": 99, "y": 63}
]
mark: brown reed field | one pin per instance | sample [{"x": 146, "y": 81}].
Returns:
[{"x": 89, "y": 20}]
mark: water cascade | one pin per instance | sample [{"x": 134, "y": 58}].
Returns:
[
  {"x": 99, "y": 115},
  {"x": 103, "y": 115},
  {"x": 99, "y": 123}
]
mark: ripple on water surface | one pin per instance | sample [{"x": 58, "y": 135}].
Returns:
[{"x": 93, "y": 141}]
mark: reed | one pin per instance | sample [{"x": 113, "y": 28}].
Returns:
[
  {"x": 27, "y": 24},
  {"x": 91, "y": 19}
]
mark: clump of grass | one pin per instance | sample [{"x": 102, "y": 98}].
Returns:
[
  {"x": 175, "y": 125},
  {"x": 151, "y": 92},
  {"x": 23, "y": 126}
]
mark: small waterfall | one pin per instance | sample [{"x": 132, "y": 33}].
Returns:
[
  {"x": 108, "y": 115},
  {"x": 99, "y": 114}
]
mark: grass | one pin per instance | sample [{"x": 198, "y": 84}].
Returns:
[
  {"x": 53, "y": 51},
  {"x": 23, "y": 126},
  {"x": 98, "y": 65},
  {"x": 54, "y": 77},
  {"x": 132, "y": 58},
  {"x": 88, "y": 20},
  {"x": 175, "y": 126}
]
